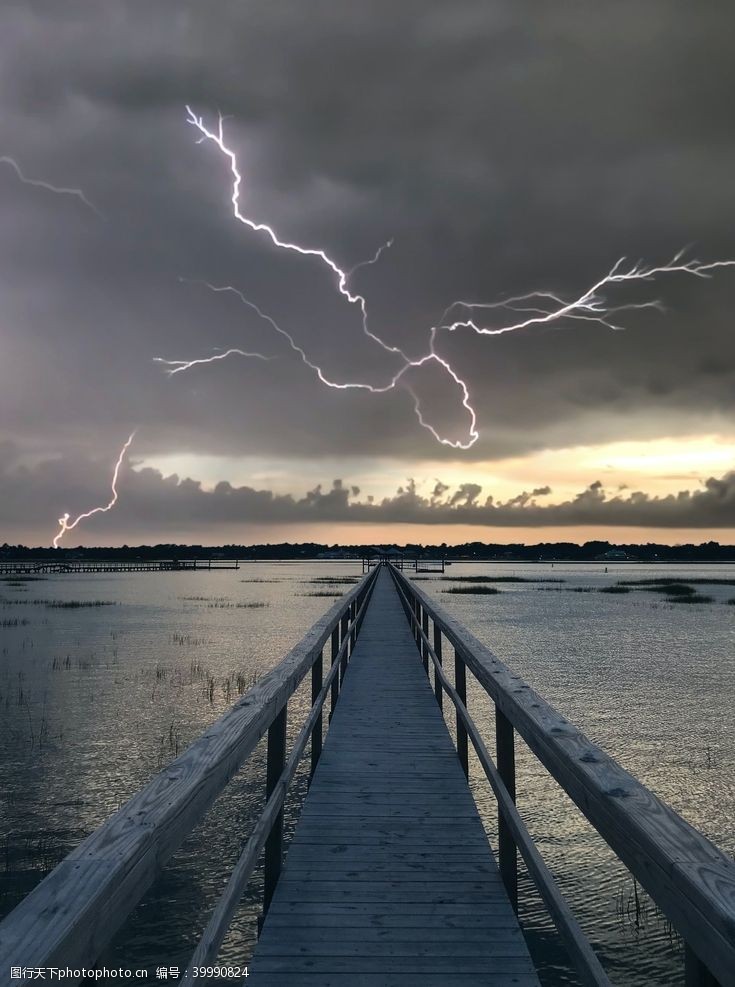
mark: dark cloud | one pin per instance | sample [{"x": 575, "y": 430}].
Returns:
[
  {"x": 506, "y": 145},
  {"x": 157, "y": 503}
]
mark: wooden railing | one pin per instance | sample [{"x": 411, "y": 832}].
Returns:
[
  {"x": 691, "y": 881},
  {"x": 69, "y": 918}
]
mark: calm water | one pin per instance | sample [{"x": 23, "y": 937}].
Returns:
[{"x": 94, "y": 700}]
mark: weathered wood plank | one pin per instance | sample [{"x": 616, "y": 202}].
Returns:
[
  {"x": 354, "y": 979},
  {"x": 370, "y": 874},
  {"x": 368, "y": 963}
]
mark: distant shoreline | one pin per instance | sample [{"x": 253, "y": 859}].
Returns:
[{"x": 546, "y": 553}]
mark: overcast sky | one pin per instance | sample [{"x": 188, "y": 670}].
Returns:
[{"x": 505, "y": 146}]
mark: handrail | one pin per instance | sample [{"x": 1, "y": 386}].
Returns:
[
  {"x": 69, "y": 918},
  {"x": 206, "y": 951},
  {"x": 582, "y": 954},
  {"x": 689, "y": 878}
]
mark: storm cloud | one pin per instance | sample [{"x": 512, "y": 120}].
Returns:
[
  {"x": 154, "y": 503},
  {"x": 506, "y": 146}
]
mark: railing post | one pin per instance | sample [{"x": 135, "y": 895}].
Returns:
[
  {"x": 696, "y": 973},
  {"x": 344, "y": 624},
  {"x": 317, "y": 679},
  {"x": 276, "y": 760},
  {"x": 353, "y": 633},
  {"x": 507, "y": 853},
  {"x": 424, "y": 644},
  {"x": 438, "y": 690},
  {"x": 417, "y": 615},
  {"x": 334, "y": 691},
  {"x": 460, "y": 684}
]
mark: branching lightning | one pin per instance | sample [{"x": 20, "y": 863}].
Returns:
[
  {"x": 536, "y": 308},
  {"x": 591, "y": 306},
  {"x": 77, "y": 193},
  {"x": 176, "y": 366},
  {"x": 66, "y": 525}
]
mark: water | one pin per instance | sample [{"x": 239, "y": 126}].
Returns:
[{"x": 95, "y": 700}]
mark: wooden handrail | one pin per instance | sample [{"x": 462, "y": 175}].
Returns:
[
  {"x": 206, "y": 951},
  {"x": 588, "y": 966},
  {"x": 690, "y": 879},
  {"x": 69, "y": 918}
]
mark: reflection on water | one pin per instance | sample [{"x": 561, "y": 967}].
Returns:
[{"x": 95, "y": 699}]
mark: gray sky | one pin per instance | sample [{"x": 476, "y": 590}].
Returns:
[{"x": 505, "y": 146}]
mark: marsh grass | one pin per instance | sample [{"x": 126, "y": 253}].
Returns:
[
  {"x": 614, "y": 589},
  {"x": 673, "y": 589},
  {"x": 669, "y": 580},
  {"x": 187, "y": 640},
  {"x": 59, "y": 604},
  {"x": 205, "y": 599},
  {"x": 500, "y": 579},
  {"x": 15, "y": 580},
  {"x": 695, "y": 598},
  {"x": 335, "y": 579},
  {"x": 14, "y": 622},
  {"x": 472, "y": 590},
  {"x": 334, "y": 595}
]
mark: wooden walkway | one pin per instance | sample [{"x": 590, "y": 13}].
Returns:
[{"x": 389, "y": 879}]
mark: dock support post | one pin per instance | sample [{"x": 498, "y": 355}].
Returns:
[
  {"x": 334, "y": 691},
  {"x": 507, "y": 853},
  {"x": 424, "y": 645},
  {"x": 460, "y": 684},
  {"x": 317, "y": 678},
  {"x": 276, "y": 760},
  {"x": 344, "y": 624},
  {"x": 438, "y": 691},
  {"x": 696, "y": 973},
  {"x": 353, "y": 632}
]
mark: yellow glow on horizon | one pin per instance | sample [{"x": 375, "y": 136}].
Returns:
[{"x": 656, "y": 467}]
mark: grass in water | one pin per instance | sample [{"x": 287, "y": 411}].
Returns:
[
  {"x": 673, "y": 589},
  {"x": 60, "y": 604},
  {"x": 14, "y": 580},
  {"x": 672, "y": 580},
  {"x": 614, "y": 589},
  {"x": 689, "y": 599},
  {"x": 335, "y": 579},
  {"x": 499, "y": 579},
  {"x": 473, "y": 590}
]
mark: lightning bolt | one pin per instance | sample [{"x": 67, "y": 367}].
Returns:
[
  {"x": 535, "y": 308},
  {"x": 177, "y": 366},
  {"x": 353, "y": 298},
  {"x": 64, "y": 523},
  {"x": 591, "y": 306},
  {"x": 57, "y": 189}
]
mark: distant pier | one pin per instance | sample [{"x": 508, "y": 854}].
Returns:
[{"x": 28, "y": 567}]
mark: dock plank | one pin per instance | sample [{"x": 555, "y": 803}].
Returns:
[{"x": 389, "y": 878}]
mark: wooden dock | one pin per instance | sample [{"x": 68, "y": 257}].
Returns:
[
  {"x": 390, "y": 879},
  {"x": 29, "y": 567}
]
